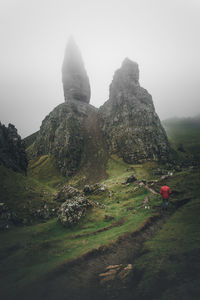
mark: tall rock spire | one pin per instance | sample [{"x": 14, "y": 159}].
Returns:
[
  {"x": 129, "y": 121},
  {"x": 74, "y": 77}
]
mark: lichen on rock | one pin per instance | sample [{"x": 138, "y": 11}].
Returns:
[{"x": 72, "y": 210}]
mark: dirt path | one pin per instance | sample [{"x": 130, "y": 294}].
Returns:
[
  {"x": 95, "y": 149},
  {"x": 80, "y": 279}
]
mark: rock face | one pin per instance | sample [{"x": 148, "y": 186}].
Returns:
[
  {"x": 66, "y": 133},
  {"x": 128, "y": 119},
  {"x": 12, "y": 149},
  {"x": 74, "y": 77},
  {"x": 79, "y": 135}
]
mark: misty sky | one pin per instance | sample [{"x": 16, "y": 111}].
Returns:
[{"x": 163, "y": 36}]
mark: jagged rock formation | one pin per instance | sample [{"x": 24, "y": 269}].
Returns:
[
  {"x": 71, "y": 131},
  {"x": 12, "y": 149},
  {"x": 129, "y": 121},
  {"x": 71, "y": 134},
  {"x": 79, "y": 135},
  {"x": 75, "y": 80},
  {"x": 61, "y": 135}
]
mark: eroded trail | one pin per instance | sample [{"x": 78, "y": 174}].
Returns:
[{"x": 80, "y": 279}]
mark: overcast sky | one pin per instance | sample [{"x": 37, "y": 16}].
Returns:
[{"x": 163, "y": 36}]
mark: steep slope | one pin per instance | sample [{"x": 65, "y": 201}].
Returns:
[
  {"x": 129, "y": 121},
  {"x": 183, "y": 133}
]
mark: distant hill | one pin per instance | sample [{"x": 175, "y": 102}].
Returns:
[{"x": 184, "y": 134}]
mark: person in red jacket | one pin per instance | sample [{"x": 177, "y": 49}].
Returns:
[{"x": 165, "y": 191}]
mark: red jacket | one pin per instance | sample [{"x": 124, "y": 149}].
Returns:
[{"x": 165, "y": 191}]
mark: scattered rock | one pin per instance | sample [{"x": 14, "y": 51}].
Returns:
[
  {"x": 116, "y": 272},
  {"x": 67, "y": 192},
  {"x": 108, "y": 218},
  {"x": 141, "y": 184},
  {"x": 94, "y": 189},
  {"x": 164, "y": 177},
  {"x": 129, "y": 169},
  {"x": 130, "y": 179},
  {"x": 123, "y": 274},
  {"x": 87, "y": 189},
  {"x": 145, "y": 202},
  {"x": 108, "y": 273},
  {"x": 159, "y": 171},
  {"x": 72, "y": 210},
  {"x": 113, "y": 267},
  {"x": 110, "y": 194}
]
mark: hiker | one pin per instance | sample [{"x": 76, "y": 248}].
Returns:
[{"x": 165, "y": 191}]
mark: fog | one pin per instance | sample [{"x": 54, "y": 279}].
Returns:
[{"x": 162, "y": 36}]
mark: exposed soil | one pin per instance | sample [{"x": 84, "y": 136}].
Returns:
[
  {"x": 96, "y": 153},
  {"x": 79, "y": 279}
]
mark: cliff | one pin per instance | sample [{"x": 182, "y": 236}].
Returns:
[{"x": 128, "y": 119}]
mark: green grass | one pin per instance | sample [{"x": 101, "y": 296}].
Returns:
[
  {"x": 32, "y": 251},
  {"x": 185, "y": 133},
  {"x": 20, "y": 192},
  {"x": 24, "y": 194},
  {"x": 170, "y": 265},
  {"x": 44, "y": 170}
]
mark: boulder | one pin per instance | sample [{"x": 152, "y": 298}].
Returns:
[
  {"x": 72, "y": 211},
  {"x": 130, "y": 179}
]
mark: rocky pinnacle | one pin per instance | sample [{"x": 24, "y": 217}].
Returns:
[
  {"x": 129, "y": 121},
  {"x": 74, "y": 77}
]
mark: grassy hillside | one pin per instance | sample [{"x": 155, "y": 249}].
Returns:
[
  {"x": 23, "y": 195},
  {"x": 44, "y": 170},
  {"x": 31, "y": 251},
  {"x": 19, "y": 191},
  {"x": 184, "y": 135},
  {"x": 170, "y": 265},
  {"x": 28, "y": 253}
]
